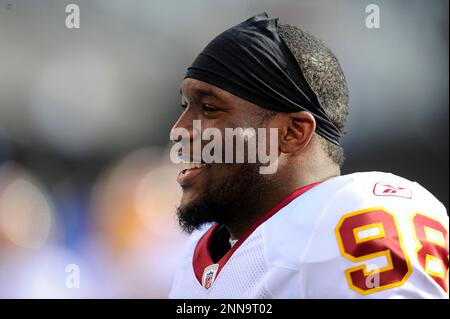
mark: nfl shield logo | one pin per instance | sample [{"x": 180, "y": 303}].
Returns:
[
  {"x": 209, "y": 274},
  {"x": 209, "y": 279}
]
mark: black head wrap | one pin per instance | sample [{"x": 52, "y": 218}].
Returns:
[{"x": 251, "y": 61}]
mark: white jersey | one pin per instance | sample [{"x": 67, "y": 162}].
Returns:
[{"x": 364, "y": 235}]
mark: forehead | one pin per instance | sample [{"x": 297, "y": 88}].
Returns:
[{"x": 193, "y": 88}]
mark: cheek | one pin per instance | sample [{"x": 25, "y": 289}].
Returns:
[
  {"x": 220, "y": 174},
  {"x": 267, "y": 138},
  {"x": 227, "y": 130}
]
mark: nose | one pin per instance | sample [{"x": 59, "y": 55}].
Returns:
[
  {"x": 186, "y": 125},
  {"x": 181, "y": 125},
  {"x": 187, "y": 132}
]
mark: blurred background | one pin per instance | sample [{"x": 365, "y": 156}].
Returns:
[{"x": 87, "y": 189}]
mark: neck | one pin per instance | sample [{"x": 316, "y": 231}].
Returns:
[{"x": 282, "y": 186}]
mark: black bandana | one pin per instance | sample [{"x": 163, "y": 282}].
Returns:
[{"x": 251, "y": 61}]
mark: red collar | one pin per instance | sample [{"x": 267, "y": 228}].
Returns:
[{"x": 202, "y": 257}]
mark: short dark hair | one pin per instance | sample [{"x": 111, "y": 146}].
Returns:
[{"x": 324, "y": 74}]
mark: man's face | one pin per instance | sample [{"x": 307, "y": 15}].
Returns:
[{"x": 215, "y": 191}]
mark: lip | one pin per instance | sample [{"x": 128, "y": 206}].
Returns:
[{"x": 186, "y": 177}]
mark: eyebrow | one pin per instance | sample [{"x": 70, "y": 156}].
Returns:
[{"x": 199, "y": 93}]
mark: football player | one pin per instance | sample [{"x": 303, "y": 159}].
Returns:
[{"x": 304, "y": 231}]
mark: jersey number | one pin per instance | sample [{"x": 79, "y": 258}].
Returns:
[{"x": 374, "y": 233}]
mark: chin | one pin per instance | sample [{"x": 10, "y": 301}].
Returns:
[{"x": 189, "y": 197}]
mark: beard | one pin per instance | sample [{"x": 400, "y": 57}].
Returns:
[{"x": 224, "y": 202}]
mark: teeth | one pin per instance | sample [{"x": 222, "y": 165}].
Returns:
[{"x": 189, "y": 165}]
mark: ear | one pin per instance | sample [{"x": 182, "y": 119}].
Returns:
[{"x": 297, "y": 132}]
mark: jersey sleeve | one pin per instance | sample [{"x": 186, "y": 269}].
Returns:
[{"x": 379, "y": 238}]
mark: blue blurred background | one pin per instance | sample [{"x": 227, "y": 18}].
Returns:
[{"x": 86, "y": 185}]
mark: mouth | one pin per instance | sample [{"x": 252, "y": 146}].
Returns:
[{"x": 189, "y": 171}]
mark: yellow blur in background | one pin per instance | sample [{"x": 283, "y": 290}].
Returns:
[{"x": 129, "y": 249}]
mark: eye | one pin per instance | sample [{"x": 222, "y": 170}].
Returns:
[
  {"x": 183, "y": 106},
  {"x": 208, "y": 108}
]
